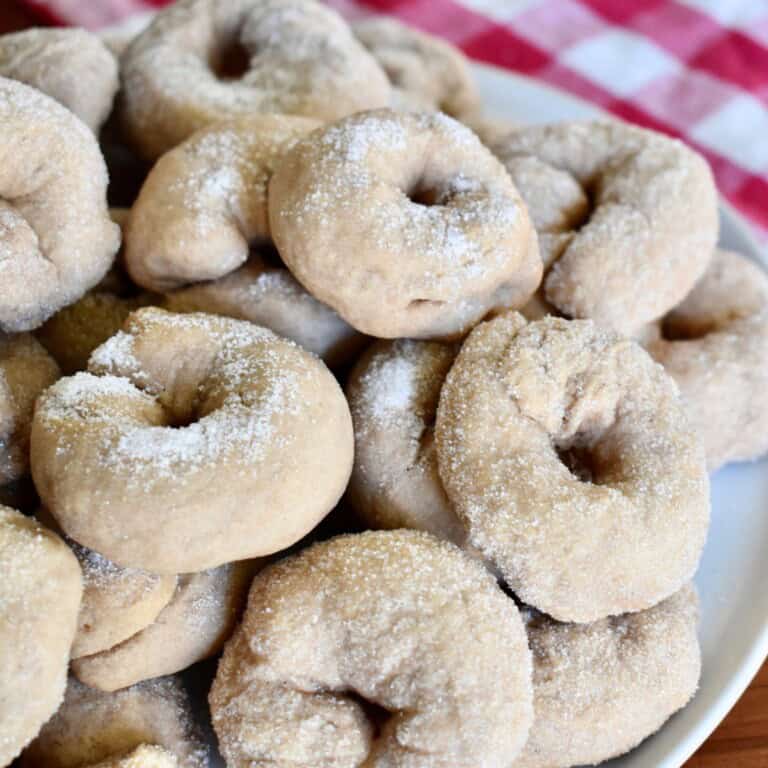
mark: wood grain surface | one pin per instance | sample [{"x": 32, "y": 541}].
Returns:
[{"x": 741, "y": 740}]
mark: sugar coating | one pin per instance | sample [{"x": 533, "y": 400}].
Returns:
[
  {"x": 56, "y": 238},
  {"x": 198, "y": 617},
  {"x": 425, "y": 72},
  {"x": 339, "y": 204},
  {"x": 627, "y": 217},
  {"x": 205, "y": 201},
  {"x": 620, "y": 530},
  {"x": 601, "y": 688},
  {"x": 92, "y": 726},
  {"x": 197, "y": 440},
  {"x": 302, "y": 59},
  {"x": 715, "y": 346},
  {"x": 117, "y": 602},
  {"x": 393, "y": 393},
  {"x": 40, "y": 593},
  {"x": 400, "y": 620},
  {"x": 71, "y": 66}
]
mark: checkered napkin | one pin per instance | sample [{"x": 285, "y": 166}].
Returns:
[{"x": 697, "y": 69}]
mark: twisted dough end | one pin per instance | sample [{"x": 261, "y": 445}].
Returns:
[{"x": 56, "y": 237}]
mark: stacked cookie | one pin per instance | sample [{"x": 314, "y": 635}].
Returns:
[{"x": 512, "y": 353}]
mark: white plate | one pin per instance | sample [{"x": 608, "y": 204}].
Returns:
[{"x": 734, "y": 569}]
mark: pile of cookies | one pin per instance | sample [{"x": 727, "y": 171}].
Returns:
[{"x": 407, "y": 411}]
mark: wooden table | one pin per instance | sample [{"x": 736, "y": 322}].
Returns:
[{"x": 741, "y": 741}]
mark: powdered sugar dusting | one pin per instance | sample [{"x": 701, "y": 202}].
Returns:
[
  {"x": 116, "y": 354},
  {"x": 409, "y": 206},
  {"x": 303, "y": 59},
  {"x": 391, "y": 391},
  {"x": 248, "y": 384},
  {"x": 101, "y": 573},
  {"x": 85, "y": 395},
  {"x": 353, "y": 141}
]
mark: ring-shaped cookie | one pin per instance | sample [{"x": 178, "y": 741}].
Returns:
[
  {"x": 117, "y": 602},
  {"x": 393, "y": 392},
  {"x": 631, "y": 216},
  {"x": 425, "y": 72},
  {"x": 599, "y": 689},
  {"x": 56, "y": 236},
  {"x": 566, "y": 452},
  {"x": 205, "y": 202},
  {"x": 192, "y": 626},
  {"x": 421, "y": 220},
  {"x": 715, "y": 346},
  {"x": 92, "y": 725},
  {"x": 40, "y": 593},
  {"x": 269, "y": 295},
  {"x": 207, "y": 440},
  {"x": 444, "y": 653},
  {"x": 72, "y": 66},
  {"x": 202, "y": 61}
]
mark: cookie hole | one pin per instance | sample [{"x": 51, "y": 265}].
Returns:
[
  {"x": 395, "y": 75},
  {"x": 579, "y": 462},
  {"x": 444, "y": 107},
  {"x": 181, "y": 420},
  {"x": 265, "y": 251},
  {"x": 182, "y": 409},
  {"x": 424, "y": 303},
  {"x": 674, "y": 330},
  {"x": 426, "y": 195},
  {"x": 231, "y": 62},
  {"x": 377, "y": 716},
  {"x": 578, "y": 214}
]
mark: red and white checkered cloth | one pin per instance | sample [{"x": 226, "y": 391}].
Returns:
[{"x": 697, "y": 69}]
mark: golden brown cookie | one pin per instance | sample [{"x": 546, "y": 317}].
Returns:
[
  {"x": 202, "y": 61},
  {"x": 193, "y": 440},
  {"x": 396, "y": 619},
  {"x": 715, "y": 346},
  {"x": 566, "y": 453},
  {"x": 628, "y": 217},
  {"x": 55, "y": 233},
  {"x": 419, "y": 218}
]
